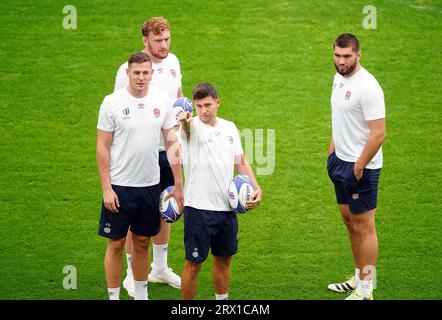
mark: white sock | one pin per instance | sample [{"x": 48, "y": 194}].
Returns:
[
  {"x": 114, "y": 293},
  {"x": 140, "y": 290},
  {"x": 129, "y": 263},
  {"x": 160, "y": 256},
  {"x": 357, "y": 276},
  {"x": 224, "y": 296},
  {"x": 366, "y": 287}
]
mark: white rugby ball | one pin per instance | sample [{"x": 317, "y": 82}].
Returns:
[
  {"x": 182, "y": 105},
  {"x": 240, "y": 191},
  {"x": 169, "y": 208}
]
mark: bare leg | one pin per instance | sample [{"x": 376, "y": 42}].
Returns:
[
  {"x": 163, "y": 236},
  {"x": 221, "y": 274},
  {"x": 140, "y": 257},
  {"x": 113, "y": 262},
  {"x": 128, "y": 245},
  {"x": 346, "y": 217},
  {"x": 189, "y": 279},
  {"x": 367, "y": 242}
]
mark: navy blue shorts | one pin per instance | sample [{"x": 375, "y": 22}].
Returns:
[
  {"x": 361, "y": 196},
  {"x": 166, "y": 175},
  {"x": 204, "y": 229},
  {"x": 139, "y": 209}
]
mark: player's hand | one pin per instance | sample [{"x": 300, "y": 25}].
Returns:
[
  {"x": 358, "y": 171},
  {"x": 111, "y": 201},
  {"x": 184, "y": 117},
  {"x": 177, "y": 193},
  {"x": 256, "y": 199}
]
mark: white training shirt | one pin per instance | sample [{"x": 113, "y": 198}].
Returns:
[
  {"x": 136, "y": 124},
  {"x": 355, "y": 100},
  {"x": 166, "y": 76},
  {"x": 208, "y": 159}
]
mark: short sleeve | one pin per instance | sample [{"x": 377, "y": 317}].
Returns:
[
  {"x": 121, "y": 79},
  {"x": 105, "y": 119},
  {"x": 372, "y": 102},
  {"x": 237, "y": 141},
  {"x": 169, "y": 120},
  {"x": 180, "y": 76}
]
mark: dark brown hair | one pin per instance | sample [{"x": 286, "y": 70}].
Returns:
[
  {"x": 139, "y": 57},
  {"x": 204, "y": 90},
  {"x": 347, "y": 40}
]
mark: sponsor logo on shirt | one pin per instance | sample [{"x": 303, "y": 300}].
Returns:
[
  {"x": 347, "y": 95},
  {"x": 341, "y": 85},
  {"x": 173, "y": 72},
  {"x": 140, "y": 106},
  {"x": 230, "y": 138},
  {"x": 160, "y": 70},
  {"x": 156, "y": 112}
]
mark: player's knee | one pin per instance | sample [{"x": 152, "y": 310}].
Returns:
[
  {"x": 348, "y": 223},
  {"x": 363, "y": 228},
  {"x": 116, "y": 246},
  {"x": 193, "y": 268},
  {"x": 222, "y": 262},
  {"x": 140, "y": 243}
]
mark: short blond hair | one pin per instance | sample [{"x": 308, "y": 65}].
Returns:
[{"x": 156, "y": 25}]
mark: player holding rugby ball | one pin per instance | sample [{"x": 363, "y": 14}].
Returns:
[{"x": 210, "y": 150}]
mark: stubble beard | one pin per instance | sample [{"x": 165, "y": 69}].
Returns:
[{"x": 346, "y": 71}]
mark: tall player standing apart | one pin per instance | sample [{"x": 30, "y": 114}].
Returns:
[
  {"x": 129, "y": 126},
  {"x": 211, "y": 150},
  {"x": 355, "y": 159},
  {"x": 166, "y": 77}
]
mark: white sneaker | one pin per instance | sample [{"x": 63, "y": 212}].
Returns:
[
  {"x": 357, "y": 295},
  {"x": 346, "y": 286},
  {"x": 165, "y": 276},
  {"x": 128, "y": 284}
]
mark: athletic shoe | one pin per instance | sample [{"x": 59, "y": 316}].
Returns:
[
  {"x": 165, "y": 276},
  {"x": 357, "y": 295},
  {"x": 128, "y": 284},
  {"x": 346, "y": 286}
]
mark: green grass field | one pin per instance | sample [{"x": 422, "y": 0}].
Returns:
[{"x": 273, "y": 68}]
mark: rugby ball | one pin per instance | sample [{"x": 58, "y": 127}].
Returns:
[
  {"x": 240, "y": 191},
  {"x": 182, "y": 105},
  {"x": 169, "y": 208}
]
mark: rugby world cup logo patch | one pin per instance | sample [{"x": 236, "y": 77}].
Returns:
[
  {"x": 126, "y": 114},
  {"x": 156, "y": 112}
]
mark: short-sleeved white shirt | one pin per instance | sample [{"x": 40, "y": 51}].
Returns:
[
  {"x": 136, "y": 124},
  {"x": 355, "y": 100},
  {"x": 208, "y": 159},
  {"x": 166, "y": 76}
]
